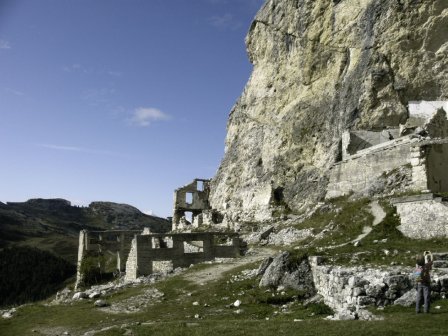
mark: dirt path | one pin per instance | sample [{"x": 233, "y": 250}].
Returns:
[
  {"x": 216, "y": 271},
  {"x": 378, "y": 212}
]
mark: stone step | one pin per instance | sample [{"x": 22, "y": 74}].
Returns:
[
  {"x": 440, "y": 264},
  {"x": 440, "y": 256}
]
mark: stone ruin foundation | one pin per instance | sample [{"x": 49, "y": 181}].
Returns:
[{"x": 137, "y": 253}]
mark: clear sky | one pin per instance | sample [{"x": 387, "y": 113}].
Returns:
[{"x": 117, "y": 100}]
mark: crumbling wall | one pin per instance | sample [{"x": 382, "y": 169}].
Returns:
[
  {"x": 82, "y": 248},
  {"x": 430, "y": 166},
  {"x": 437, "y": 167},
  {"x": 96, "y": 243},
  {"x": 145, "y": 252},
  {"x": 192, "y": 198},
  {"x": 348, "y": 290},
  {"x": 354, "y": 141},
  {"x": 131, "y": 263},
  {"x": 437, "y": 127},
  {"x": 423, "y": 216},
  {"x": 360, "y": 171},
  {"x": 427, "y": 117}
]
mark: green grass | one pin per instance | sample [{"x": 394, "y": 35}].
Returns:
[
  {"x": 263, "y": 311},
  {"x": 384, "y": 245},
  {"x": 397, "y": 321},
  {"x": 344, "y": 219}
]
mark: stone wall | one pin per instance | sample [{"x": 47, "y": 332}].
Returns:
[
  {"x": 360, "y": 171},
  {"x": 146, "y": 250},
  {"x": 141, "y": 250},
  {"x": 423, "y": 216},
  {"x": 96, "y": 243},
  {"x": 131, "y": 263},
  {"x": 191, "y": 198},
  {"x": 354, "y": 141},
  {"x": 429, "y": 166},
  {"x": 347, "y": 289},
  {"x": 81, "y": 252},
  {"x": 437, "y": 167}
]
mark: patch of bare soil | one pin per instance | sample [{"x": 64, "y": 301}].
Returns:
[{"x": 217, "y": 270}]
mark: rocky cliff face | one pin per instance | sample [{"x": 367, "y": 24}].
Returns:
[{"x": 322, "y": 67}]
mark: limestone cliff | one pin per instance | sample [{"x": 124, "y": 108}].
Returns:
[{"x": 322, "y": 67}]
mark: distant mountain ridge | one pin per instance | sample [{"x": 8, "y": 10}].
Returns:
[{"x": 54, "y": 224}]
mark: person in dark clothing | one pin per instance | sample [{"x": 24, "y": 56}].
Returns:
[{"x": 423, "y": 281}]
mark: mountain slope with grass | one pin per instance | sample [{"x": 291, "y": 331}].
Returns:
[
  {"x": 28, "y": 274},
  {"x": 204, "y": 299},
  {"x": 53, "y": 224},
  {"x": 39, "y": 242}
]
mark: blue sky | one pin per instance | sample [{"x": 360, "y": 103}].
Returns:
[{"x": 117, "y": 100}]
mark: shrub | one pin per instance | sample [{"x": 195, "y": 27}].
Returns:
[{"x": 92, "y": 270}]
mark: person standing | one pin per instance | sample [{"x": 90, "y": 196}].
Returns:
[{"x": 423, "y": 281}]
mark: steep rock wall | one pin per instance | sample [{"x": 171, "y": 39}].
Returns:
[{"x": 321, "y": 67}]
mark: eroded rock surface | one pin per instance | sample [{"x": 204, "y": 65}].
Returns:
[{"x": 322, "y": 67}]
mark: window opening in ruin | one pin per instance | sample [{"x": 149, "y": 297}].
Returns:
[
  {"x": 158, "y": 242},
  {"x": 200, "y": 185},
  {"x": 189, "y": 198},
  {"x": 193, "y": 246},
  {"x": 217, "y": 217},
  {"x": 189, "y": 216}
]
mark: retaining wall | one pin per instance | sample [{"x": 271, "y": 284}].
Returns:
[{"x": 423, "y": 216}]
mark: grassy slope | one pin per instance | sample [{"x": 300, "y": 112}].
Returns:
[
  {"x": 54, "y": 227},
  {"x": 175, "y": 314}
]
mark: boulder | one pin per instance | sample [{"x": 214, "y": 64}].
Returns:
[
  {"x": 101, "y": 303},
  {"x": 94, "y": 295},
  {"x": 283, "y": 271},
  {"x": 275, "y": 271},
  {"x": 408, "y": 299},
  {"x": 79, "y": 296},
  {"x": 264, "y": 265}
]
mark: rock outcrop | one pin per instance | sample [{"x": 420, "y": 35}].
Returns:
[
  {"x": 282, "y": 270},
  {"x": 124, "y": 216},
  {"x": 322, "y": 67}
]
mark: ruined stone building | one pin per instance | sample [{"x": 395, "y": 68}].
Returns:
[
  {"x": 413, "y": 156},
  {"x": 412, "y": 159},
  {"x": 193, "y": 200},
  {"x": 141, "y": 253}
]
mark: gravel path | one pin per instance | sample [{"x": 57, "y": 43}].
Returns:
[{"x": 217, "y": 270}]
